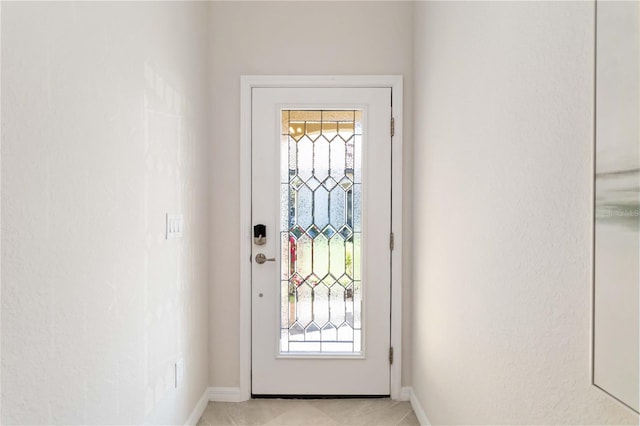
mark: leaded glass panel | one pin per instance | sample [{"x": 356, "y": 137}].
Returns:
[{"x": 320, "y": 232}]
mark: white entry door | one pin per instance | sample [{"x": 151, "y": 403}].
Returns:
[{"x": 321, "y": 278}]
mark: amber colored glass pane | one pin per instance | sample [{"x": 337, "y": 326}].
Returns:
[
  {"x": 329, "y": 130},
  {"x": 345, "y": 129},
  {"x": 338, "y": 116},
  {"x": 313, "y": 129},
  {"x": 304, "y": 115},
  {"x": 284, "y": 126}
]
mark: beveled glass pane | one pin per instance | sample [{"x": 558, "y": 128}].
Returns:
[
  {"x": 288, "y": 297},
  {"x": 349, "y": 156},
  {"x": 337, "y": 159},
  {"x": 350, "y": 209},
  {"x": 304, "y": 199},
  {"x": 313, "y": 231},
  {"x": 313, "y": 183},
  {"x": 349, "y": 304},
  {"x": 320, "y": 256},
  {"x": 321, "y": 159},
  {"x": 296, "y": 332},
  {"x": 357, "y": 161},
  {"x": 304, "y": 347},
  {"x": 320, "y": 303},
  {"x": 293, "y": 157},
  {"x": 296, "y": 182},
  {"x": 297, "y": 232},
  {"x": 284, "y": 253},
  {"x": 305, "y": 158},
  {"x": 329, "y": 231},
  {"x": 358, "y": 122},
  {"x": 329, "y": 333},
  {"x": 345, "y": 231},
  {"x": 284, "y": 158},
  {"x": 337, "y": 206},
  {"x": 321, "y": 207},
  {"x": 350, "y": 258},
  {"x": 357, "y": 301},
  {"x": 336, "y": 256},
  {"x": 357, "y": 204},
  {"x": 357, "y": 340},
  {"x": 303, "y": 305},
  {"x": 312, "y": 332},
  {"x": 345, "y": 333},
  {"x": 346, "y": 183},
  {"x": 304, "y": 256},
  {"x": 329, "y": 183},
  {"x": 284, "y": 204},
  {"x": 338, "y": 347},
  {"x": 337, "y": 305},
  {"x": 357, "y": 263},
  {"x": 284, "y": 305},
  {"x": 293, "y": 197},
  {"x": 313, "y": 280}
]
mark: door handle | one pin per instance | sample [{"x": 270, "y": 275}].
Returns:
[{"x": 261, "y": 258}]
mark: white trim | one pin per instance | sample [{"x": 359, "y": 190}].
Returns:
[
  {"x": 225, "y": 395},
  {"x": 198, "y": 410},
  {"x": 396, "y": 228},
  {"x": 247, "y": 82},
  {"x": 245, "y": 238},
  {"x": 419, "y": 410}
]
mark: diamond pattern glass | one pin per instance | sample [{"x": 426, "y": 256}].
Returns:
[{"x": 320, "y": 233}]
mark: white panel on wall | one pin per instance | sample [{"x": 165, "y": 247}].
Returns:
[{"x": 616, "y": 309}]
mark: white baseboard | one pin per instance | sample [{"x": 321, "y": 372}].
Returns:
[
  {"x": 405, "y": 394},
  {"x": 225, "y": 394},
  {"x": 193, "y": 419},
  {"x": 212, "y": 394},
  {"x": 418, "y": 409}
]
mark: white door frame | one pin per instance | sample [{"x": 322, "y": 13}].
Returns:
[{"x": 247, "y": 82}]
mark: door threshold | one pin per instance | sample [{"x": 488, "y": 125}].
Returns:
[{"x": 289, "y": 396}]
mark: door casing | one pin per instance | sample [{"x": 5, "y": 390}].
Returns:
[{"x": 247, "y": 83}]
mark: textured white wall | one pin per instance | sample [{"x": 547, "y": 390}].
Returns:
[
  {"x": 103, "y": 132},
  {"x": 285, "y": 38},
  {"x": 502, "y": 246}
]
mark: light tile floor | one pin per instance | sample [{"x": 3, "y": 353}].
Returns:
[{"x": 309, "y": 412}]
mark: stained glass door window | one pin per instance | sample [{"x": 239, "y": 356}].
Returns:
[{"x": 320, "y": 231}]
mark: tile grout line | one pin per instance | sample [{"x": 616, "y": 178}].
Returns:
[{"x": 405, "y": 416}]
